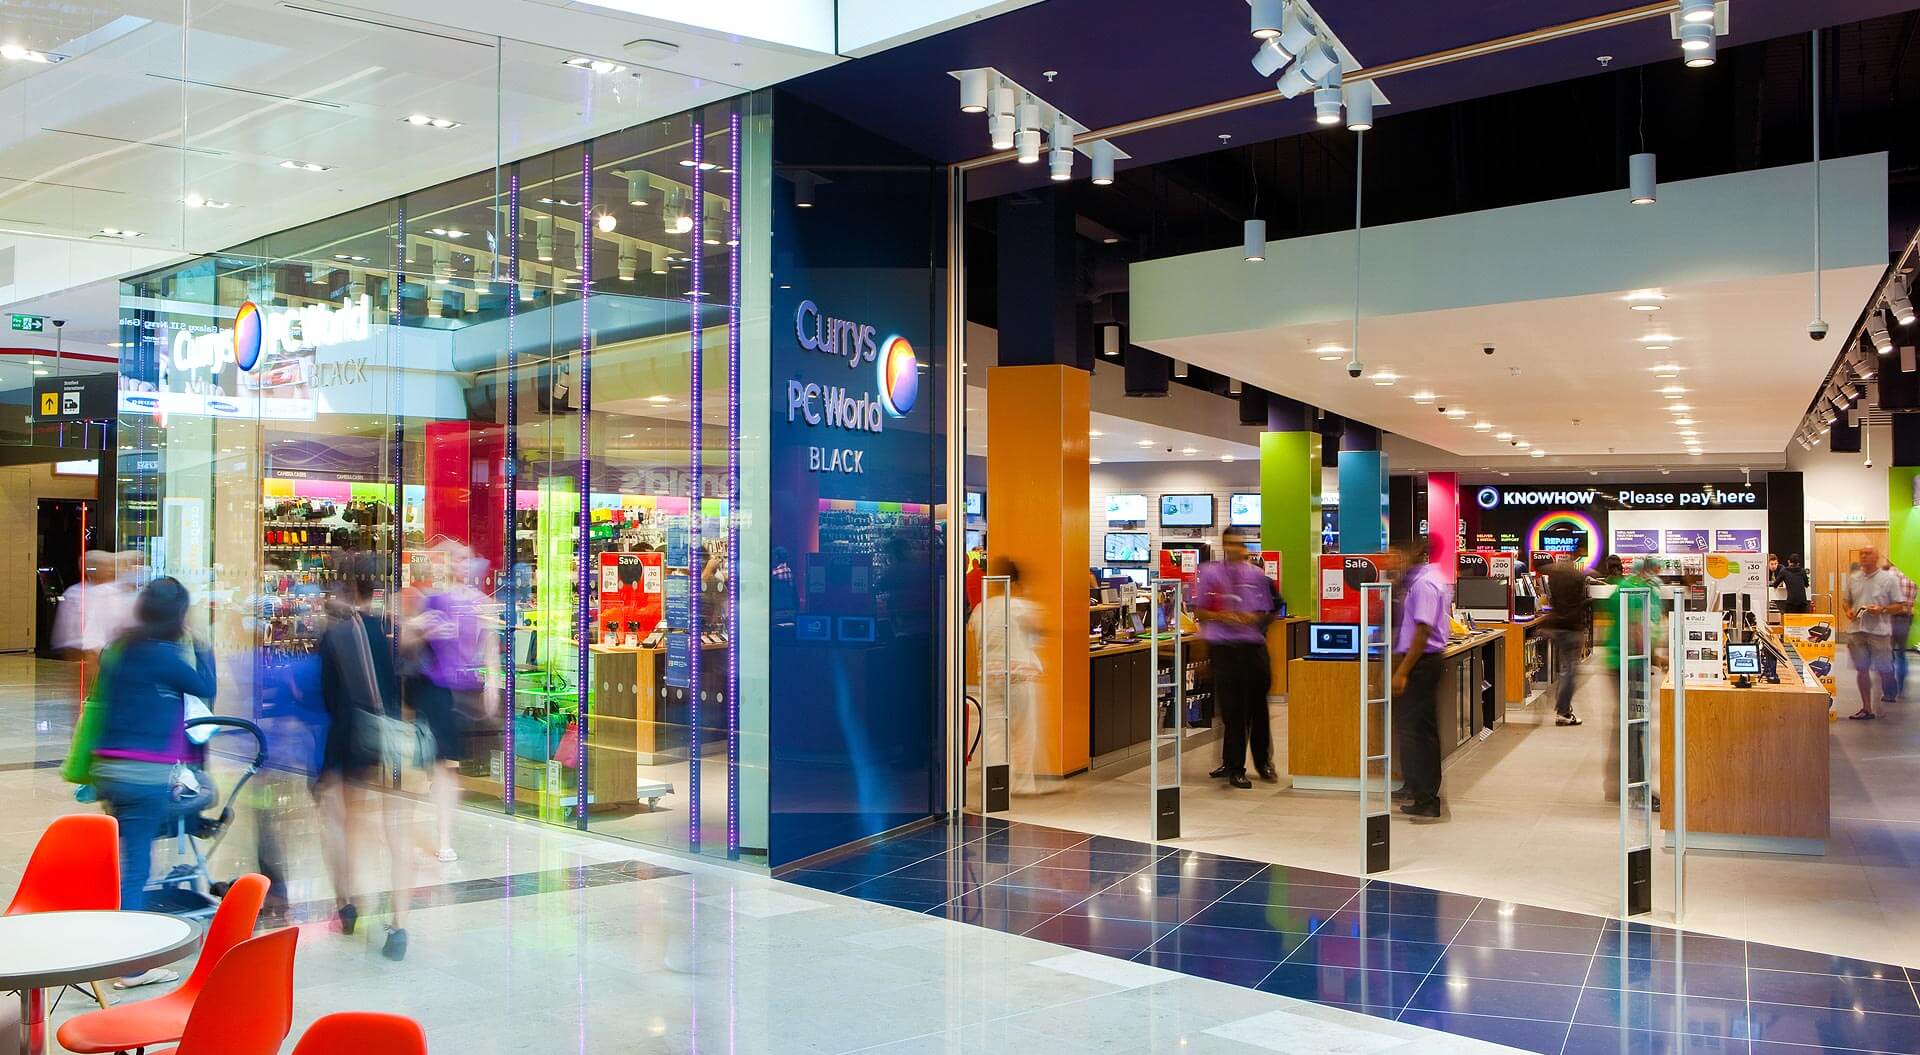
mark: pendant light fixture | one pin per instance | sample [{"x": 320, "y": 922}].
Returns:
[
  {"x": 1359, "y": 106},
  {"x": 1327, "y": 100},
  {"x": 1110, "y": 340},
  {"x": 1697, "y": 11},
  {"x": 638, "y": 187},
  {"x": 1254, "y": 234},
  {"x": 974, "y": 92},
  {"x": 1266, "y": 16},
  {"x": 1901, "y": 306},
  {"x": 1060, "y": 158},
  {"x": 1102, "y": 152},
  {"x": 1643, "y": 187},
  {"x": 1697, "y": 44}
]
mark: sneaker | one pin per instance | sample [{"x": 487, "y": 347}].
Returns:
[
  {"x": 1486, "y": 733},
  {"x": 396, "y": 947},
  {"x": 1239, "y": 780},
  {"x": 348, "y": 917},
  {"x": 157, "y": 976},
  {"x": 1566, "y": 719},
  {"x": 1429, "y": 809}
]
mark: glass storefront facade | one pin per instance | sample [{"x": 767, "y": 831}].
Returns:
[{"x": 521, "y": 387}]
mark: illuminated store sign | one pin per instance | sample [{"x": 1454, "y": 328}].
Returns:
[
  {"x": 836, "y": 406},
  {"x": 281, "y": 330},
  {"x": 1634, "y": 496}
]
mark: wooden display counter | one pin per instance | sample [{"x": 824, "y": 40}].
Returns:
[
  {"x": 1757, "y": 765},
  {"x": 1522, "y": 635},
  {"x": 1323, "y": 709},
  {"x": 1118, "y": 693},
  {"x": 634, "y": 710}
]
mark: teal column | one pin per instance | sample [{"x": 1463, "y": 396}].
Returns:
[{"x": 1363, "y": 501}]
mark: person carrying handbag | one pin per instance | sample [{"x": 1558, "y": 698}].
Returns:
[{"x": 366, "y": 741}]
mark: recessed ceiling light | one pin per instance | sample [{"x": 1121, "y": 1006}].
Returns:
[
  {"x": 1226, "y": 457},
  {"x": 1095, "y": 433},
  {"x": 1645, "y": 299},
  {"x": 1329, "y": 352},
  {"x": 659, "y": 400},
  {"x": 1522, "y": 444},
  {"x": 1109, "y": 240},
  {"x": 16, "y": 53},
  {"x": 350, "y": 258},
  {"x": 1093, "y": 461},
  {"x": 1661, "y": 339},
  {"x": 35, "y": 362},
  {"x": 1482, "y": 425},
  {"x": 1143, "y": 443},
  {"x": 1537, "y": 453},
  {"x": 1679, "y": 408},
  {"x": 448, "y": 232},
  {"x": 1189, "y": 450},
  {"x": 1673, "y": 391},
  {"x": 600, "y": 66},
  {"x": 41, "y": 373},
  {"x": 1664, "y": 369},
  {"x": 1425, "y": 395},
  {"x": 1456, "y": 412},
  {"x": 430, "y": 121},
  {"x": 305, "y": 166},
  {"x": 1503, "y": 435},
  {"x": 705, "y": 166},
  {"x": 195, "y": 200},
  {"x": 559, "y": 201},
  {"x": 1696, "y": 452},
  {"x": 1384, "y": 377}
]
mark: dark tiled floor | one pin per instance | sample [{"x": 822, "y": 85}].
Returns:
[{"x": 1533, "y": 978}]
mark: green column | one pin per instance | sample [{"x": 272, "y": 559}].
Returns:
[
  {"x": 1903, "y": 522},
  {"x": 1290, "y": 514}
]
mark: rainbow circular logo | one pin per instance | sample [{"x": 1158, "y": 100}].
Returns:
[
  {"x": 1572, "y": 522},
  {"x": 246, "y": 335},
  {"x": 899, "y": 376}
]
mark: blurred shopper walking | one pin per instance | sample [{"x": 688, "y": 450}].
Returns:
[
  {"x": 1424, "y": 627},
  {"x": 1568, "y": 612},
  {"x": 1871, "y": 598},
  {"x": 448, "y": 643},
  {"x": 1232, "y": 601},
  {"x": 1900, "y": 624}
]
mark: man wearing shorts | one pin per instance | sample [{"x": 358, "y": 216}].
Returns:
[{"x": 1871, "y": 597}]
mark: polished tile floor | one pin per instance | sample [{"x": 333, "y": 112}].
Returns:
[
  {"x": 1538, "y": 979},
  {"x": 1526, "y": 821},
  {"x": 542, "y": 940}
]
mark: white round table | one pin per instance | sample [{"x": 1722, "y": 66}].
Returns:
[{"x": 47, "y": 950}]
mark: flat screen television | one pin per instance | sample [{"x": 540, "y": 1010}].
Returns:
[
  {"x": 976, "y": 504},
  {"x": 1128, "y": 547},
  {"x": 1127, "y": 509},
  {"x": 1243, "y": 509},
  {"x": 1186, "y": 510}
]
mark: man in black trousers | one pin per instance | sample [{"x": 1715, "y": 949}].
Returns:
[{"x": 1424, "y": 627}]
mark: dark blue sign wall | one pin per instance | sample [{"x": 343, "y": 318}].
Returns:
[{"x": 857, "y": 449}]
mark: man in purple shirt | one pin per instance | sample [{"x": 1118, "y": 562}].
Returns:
[
  {"x": 1424, "y": 627},
  {"x": 1233, "y": 601}
]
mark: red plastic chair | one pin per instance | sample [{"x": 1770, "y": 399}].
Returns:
[
  {"x": 163, "y": 1019},
  {"x": 363, "y": 1033},
  {"x": 75, "y": 867},
  {"x": 247, "y": 1005}
]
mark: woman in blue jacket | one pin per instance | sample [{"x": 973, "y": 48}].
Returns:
[{"x": 143, "y": 734}]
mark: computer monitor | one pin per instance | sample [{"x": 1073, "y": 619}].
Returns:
[
  {"x": 1333, "y": 641},
  {"x": 1743, "y": 659},
  {"x": 1130, "y": 546}
]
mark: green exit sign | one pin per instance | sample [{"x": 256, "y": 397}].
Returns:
[{"x": 30, "y": 323}]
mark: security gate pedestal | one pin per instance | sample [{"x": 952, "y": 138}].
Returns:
[
  {"x": 1166, "y": 706},
  {"x": 1376, "y": 825},
  {"x": 996, "y": 687}
]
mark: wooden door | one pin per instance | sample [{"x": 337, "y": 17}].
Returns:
[{"x": 1835, "y": 551}]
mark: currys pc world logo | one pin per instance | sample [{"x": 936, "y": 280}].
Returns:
[
  {"x": 899, "y": 376},
  {"x": 247, "y": 331},
  {"x": 1488, "y": 498}
]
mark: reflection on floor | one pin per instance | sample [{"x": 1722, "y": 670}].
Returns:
[
  {"x": 1526, "y": 822},
  {"x": 1534, "y": 978},
  {"x": 540, "y": 940}
]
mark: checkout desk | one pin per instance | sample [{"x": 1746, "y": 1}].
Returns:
[
  {"x": 1323, "y": 707},
  {"x": 1118, "y": 694},
  {"x": 1757, "y": 762}
]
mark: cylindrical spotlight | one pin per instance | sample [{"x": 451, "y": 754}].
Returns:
[
  {"x": 1877, "y": 329},
  {"x": 1027, "y": 142},
  {"x": 1004, "y": 101},
  {"x": 1902, "y": 306},
  {"x": 974, "y": 92},
  {"x": 1296, "y": 34},
  {"x": 1266, "y": 16},
  {"x": 1269, "y": 57},
  {"x": 1000, "y": 127},
  {"x": 638, "y": 187},
  {"x": 657, "y": 261},
  {"x": 1643, "y": 188},
  {"x": 1027, "y": 118},
  {"x": 1326, "y": 105},
  {"x": 1319, "y": 61},
  {"x": 1060, "y": 164},
  {"x": 1254, "y": 240},
  {"x": 1906, "y": 359},
  {"x": 1234, "y": 387},
  {"x": 1102, "y": 163},
  {"x": 1697, "y": 43},
  {"x": 1359, "y": 106},
  {"x": 1696, "y": 11},
  {"x": 629, "y": 264},
  {"x": 543, "y": 248},
  {"x": 1180, "y": 369},
  {"x": 1110, "y": 340},
  {"x": 802, "y": 191}
]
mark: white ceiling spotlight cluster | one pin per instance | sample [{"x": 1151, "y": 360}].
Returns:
[
  {"x": 1695, "y": 26},
  {"x": 1856, "y": 375},
  {"x": 1293, "y": 39},
  {"x": 1017, "y": 119}
]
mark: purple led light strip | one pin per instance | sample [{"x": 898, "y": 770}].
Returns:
[
  {"x": 733, "y": 491},
  {"x": 508, "y": 474},
  {"x": 584, "y": 545},
  {"x": 695, "y": 558}
]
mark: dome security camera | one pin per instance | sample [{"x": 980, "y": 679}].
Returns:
[
  {"x": 1486, "y": 349},
  {"x": 1354, "y": 369},
  {"x": 1817, "y": 329}
]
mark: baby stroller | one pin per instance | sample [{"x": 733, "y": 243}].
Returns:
[{"x": 188, "y": 888}]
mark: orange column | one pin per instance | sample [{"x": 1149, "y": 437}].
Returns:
[{"x": 1037, "y": 517}]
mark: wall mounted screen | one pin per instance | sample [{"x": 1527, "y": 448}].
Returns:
[{"x": 1186, "y": 510}]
